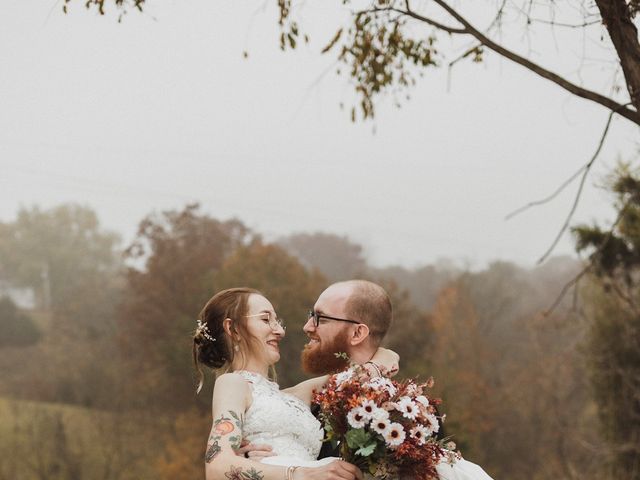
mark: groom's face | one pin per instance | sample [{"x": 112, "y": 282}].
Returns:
[{"x": 330, "y": 336}]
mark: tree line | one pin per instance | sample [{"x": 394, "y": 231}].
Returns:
[{"x": 106, "y": 352}]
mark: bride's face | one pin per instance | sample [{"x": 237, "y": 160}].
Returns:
[{"x": 265, "y": 331}]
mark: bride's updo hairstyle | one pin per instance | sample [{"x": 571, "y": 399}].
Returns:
[{"x": 212, "y": 347}]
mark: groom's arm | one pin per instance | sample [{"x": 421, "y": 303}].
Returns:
[
  {"x": 384, "y": 363},
  {"x": 304, "y": 390}
]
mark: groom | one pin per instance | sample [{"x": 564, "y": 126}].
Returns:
[{"x": 352, "y": 317}]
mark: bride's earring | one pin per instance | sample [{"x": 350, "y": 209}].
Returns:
[{"x": 236, "y": 347}]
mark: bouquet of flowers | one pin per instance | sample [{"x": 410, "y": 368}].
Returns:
[{"x": 384, "y": 427}]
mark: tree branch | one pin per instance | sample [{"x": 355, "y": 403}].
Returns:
[
  {"x": 628, "y": 113},
  {"x": 410, "y": 13},
  {"x": 586, "y": 168},
  {"x": 589, "y": 266}
]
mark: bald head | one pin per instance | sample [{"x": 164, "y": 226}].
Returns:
[{"x": 367, "y": 302}]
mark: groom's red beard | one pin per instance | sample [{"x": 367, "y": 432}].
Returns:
[{"x": 320, "y": 358}]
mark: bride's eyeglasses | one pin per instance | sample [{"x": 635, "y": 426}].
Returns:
[
  {"x": 274, "y": 322},
  {"x": 317, "y": 316}
]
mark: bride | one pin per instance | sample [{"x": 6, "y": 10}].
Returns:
[{"x": 238, "y": 335}]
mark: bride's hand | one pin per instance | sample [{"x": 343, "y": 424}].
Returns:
[
  {"x": 254, "y": 452},
  {"x": 386, "y": 361},
  {"x": 337, "y": 470}
]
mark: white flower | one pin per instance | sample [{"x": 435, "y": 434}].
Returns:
[
  {"x": 394, "y": 435},
  {"x": 369, "y": 406},
  {"x": 408, "y": 408},
  {"x": 379, "y": 414},
  {"x": 343, "y": 377},
  {"x": 356, "y": 418},
  {"x": 380, "y": 383},
  {"x": 420, "y": 433},
  {"x": 434, "y": 426},
  {"x": 380, "y": 425},
  {"x": 423, "y": 400}
]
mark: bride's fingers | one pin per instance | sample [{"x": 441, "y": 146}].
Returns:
[
  {"x": 259, "y": 454},
  {"x": 251, "y": 449}
]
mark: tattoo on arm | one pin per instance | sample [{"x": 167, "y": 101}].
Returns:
[
  {"x": 236, "y": 473},
  {"x": 212, "y": 452},
  {"x": 221, "y": 427}
]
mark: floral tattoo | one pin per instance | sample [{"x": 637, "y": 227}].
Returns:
[
  {"x": 221, "y": 427},
  {"x": 236, "y": 473}
]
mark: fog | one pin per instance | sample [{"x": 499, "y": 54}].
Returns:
[{"x": 163, "y": 109}]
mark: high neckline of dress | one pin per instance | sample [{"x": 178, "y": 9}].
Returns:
[{"x": 256, "y": 375}]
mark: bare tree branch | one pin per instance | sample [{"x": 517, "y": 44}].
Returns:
[
  {"x": 564, "y": 25},
  {"x": 628, "y": 113},
  {"x": 573, "y": 282},
  {"x": 587, "y": 168},
  {"x": 535, "y": 203}
]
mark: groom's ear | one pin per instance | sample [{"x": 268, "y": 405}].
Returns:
[{"x": 359, "y": 334}]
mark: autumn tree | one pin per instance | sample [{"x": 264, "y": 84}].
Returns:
[
  {"x": 74, "y": 266},
  {"x": 512, "y": 380},
  {"x": 288, "y": 285},
  {"x": 174, "y": 258}
]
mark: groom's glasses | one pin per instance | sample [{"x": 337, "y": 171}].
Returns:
[
  {"x": 274, "y": 322},
  {"x": 317, "y": 316}
]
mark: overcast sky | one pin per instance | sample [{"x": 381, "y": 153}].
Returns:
[{"x": 162, "y": 109}]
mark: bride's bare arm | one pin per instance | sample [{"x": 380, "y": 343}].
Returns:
[{"x": 231, "y": 398}]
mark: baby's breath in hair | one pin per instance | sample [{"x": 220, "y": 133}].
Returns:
[{"x": 203, "y": 330}]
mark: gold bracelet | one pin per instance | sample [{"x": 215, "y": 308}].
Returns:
[{"x": 289, "y": 473}]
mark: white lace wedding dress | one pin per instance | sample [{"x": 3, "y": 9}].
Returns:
[{"x": 285, "y": 422}]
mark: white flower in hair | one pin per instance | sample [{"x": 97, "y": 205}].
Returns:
[{"x": 203, "y": 330}]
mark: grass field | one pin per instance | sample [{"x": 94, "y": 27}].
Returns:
[{"x": 55, "y": 442}]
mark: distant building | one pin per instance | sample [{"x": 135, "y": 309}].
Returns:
[{"x": 24, "y": 298}]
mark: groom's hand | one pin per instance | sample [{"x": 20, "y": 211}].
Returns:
[{"x": 254, "y": 452}]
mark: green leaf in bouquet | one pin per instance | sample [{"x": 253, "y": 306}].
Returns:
[
  {"x": 358, "y": 438},
  {"x": 366, "y": 451}
]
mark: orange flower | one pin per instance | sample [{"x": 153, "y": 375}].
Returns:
[{"x": 224, "y": 427}]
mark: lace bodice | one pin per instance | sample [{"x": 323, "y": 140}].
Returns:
[{"x": 280, "y": 420}]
